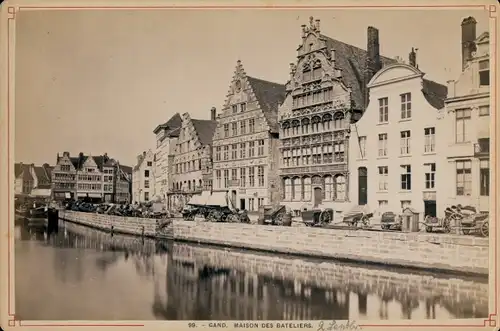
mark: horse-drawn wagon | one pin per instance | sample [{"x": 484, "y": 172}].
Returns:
[{"x": 213, "y": 207}]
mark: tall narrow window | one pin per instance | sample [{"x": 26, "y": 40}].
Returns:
[
  {"x": 464, "y": 178},
  {"x": 217, "y": 153},
  {"x": 429, "y": 140},
  {"x": 484, "y": 177},
  {"x": 297, "y": 189},
  {"x": 226, "y": 130},
  {"x": 430, "y": 175},
  {"x": 251, "y": 176},
  {"x": 406, "y": 177},
  {"x": 243, "y": 127},
  {"x": 462, "y": 118},
  {"x": 243, "y": 178},
  {"x": 383, "y": 110},
  {"x": 382, "y": 144},
  {"x": 218, "y": 178},
  {"x": 251, "y": 149},
  {"x": 226, "y": 178},
  {"x": 383, "y": 182},
  {"x": 328, "y": 188},
  {"x": 362, "y": 147},
  {"x": 260, "y": 149},
  {"x": 235, "y": 109},
  {"x": 484, "y": 73},
  {"x": 226, "y": 153},
  {"x": 234, "y": 128},
  {"x": 307, "y": 188},
  {"x": 340, "y": 193},
  {"x": 406, "y": 106},
  {"x": 260, "y": 175},
  {"x": 251, "y": 125},
  {"x": 405, "y": 142},
  {"x": 243, "y": 107},
  {"x": 288, "y": 189},
  {"x": 242, "y": 150}
]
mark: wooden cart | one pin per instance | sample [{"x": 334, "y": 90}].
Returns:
[
  {"x": 274, "y": 215},
  {"x": 317, "y": 217}
]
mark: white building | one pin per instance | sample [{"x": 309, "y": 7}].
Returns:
[
  {"x": 166, "y": 139},
  {"x": 394, "y": 151},
  {"x": 467, "y": 123},
  {"x": 143, "y": 180}
]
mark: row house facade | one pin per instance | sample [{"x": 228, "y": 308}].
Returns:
[
  {"x": 32, "y": 180},
  {"x": 245, "y": 162},
  {"x": 395, "y": 159},
  {"x": 166, "y": 140},
  {"x": 192, "y": 160},
  {"x": 468, "y": 125},
  {"x": 96, "y": 178},
  {"x": 325, "y": 93},
  {"x": 143, "y": 180}
]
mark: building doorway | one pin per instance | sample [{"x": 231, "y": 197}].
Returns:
[
  {"x": 362, "y": 186},
  {"x": 318, "y": 196},
  {"x": 233, "y": 197},
  {"x": 242, "y": 204},
  {"x": 430, "y": 208}
]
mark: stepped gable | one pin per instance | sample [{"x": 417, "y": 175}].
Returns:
[
  {"x": 352, "y": 61},
  {"x": 270, "y": 96},
  {"x": 205, "y": 130}
]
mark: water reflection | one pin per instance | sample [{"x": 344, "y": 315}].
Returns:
[{"x": 80, "y": 273}]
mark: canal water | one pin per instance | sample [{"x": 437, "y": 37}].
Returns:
[{"x": 84, "y": 274}]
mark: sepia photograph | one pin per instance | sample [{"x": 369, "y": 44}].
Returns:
[{"x": 249, "y": 166}]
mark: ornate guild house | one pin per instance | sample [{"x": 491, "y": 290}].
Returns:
[
  {"x": 245, "y": 141},
  {"x": 325, "y": 94}
]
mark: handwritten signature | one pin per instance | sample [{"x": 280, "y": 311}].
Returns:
[{"x": 333, "y": 325}]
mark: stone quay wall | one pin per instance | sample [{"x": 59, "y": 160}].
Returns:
[
  {"x": 117, "y": 224},
  {"x": 443, "y": 252},
  {"x": 456, "y": 253}
]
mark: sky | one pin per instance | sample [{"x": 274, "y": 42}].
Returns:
[{"x": 100, "y": 81}]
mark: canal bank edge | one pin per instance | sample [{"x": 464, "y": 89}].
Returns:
[{"x": 455, "y": 253}]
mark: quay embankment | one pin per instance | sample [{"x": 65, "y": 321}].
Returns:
[{"x": 438, "y": 252}]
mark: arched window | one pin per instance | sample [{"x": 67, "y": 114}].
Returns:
[
  {"x": 317, "y": 72},
  {"x": 200, "y": 184},
  {"x": 189, "y": 185},
  {"x": 338, "y": 120},
  {"x": 340, "y": 187},
  {"x": 307, "y": 189},
  {"x": 295, "y": 127},
  {"x": 328, "y": 188},
  {"x": 305, "y": 126},
  {"x": 297, "y": 189},
  {"x": 315, "y": 124},
  {"x": 286, "y": 129},
  {"x": 288, "y": 189},
  {"x": 327, "y": 122}
]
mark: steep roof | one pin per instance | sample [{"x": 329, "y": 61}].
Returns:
[
  {"x": 40, "y": 174},
  {"x": 140, "y": 160},
  {"x": 270, "y": 96},
  {"x": 352, "y": 61},
  {"x": 205, "y": 130},
  {"x": 174, "y": 122},
  {"x": 49, "y": 169},
  {"x": 434, "y": 93},
  {"x": 126, "y": 169}
]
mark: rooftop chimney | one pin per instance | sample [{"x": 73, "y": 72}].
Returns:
[
  {"x": 468, "y": 38},
  {"x": 413, "y": 58},
  {"x": 66, "y": 154},
  {"x": 213, "y": 113},
  {"x": 373, "y": 63}
]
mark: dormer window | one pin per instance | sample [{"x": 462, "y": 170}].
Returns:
[
  {"x": 235, "y": 109},
  {"x": 310, "y": 47},
  {"x": 484, "y": 73}
]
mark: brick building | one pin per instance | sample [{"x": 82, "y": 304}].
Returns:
[
  {"x": 395, "y": 153},
  {"x": 467, "y": 125},
  {"x": 245, "y": 141},
  {"x": 143, "y": 180},
  {"x": 325, "y": 94},
  {"x": 192, "y": 160},
  {"x": 166, "y": 140}
]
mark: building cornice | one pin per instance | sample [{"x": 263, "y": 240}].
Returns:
[{"x": 467, "y": 97}]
